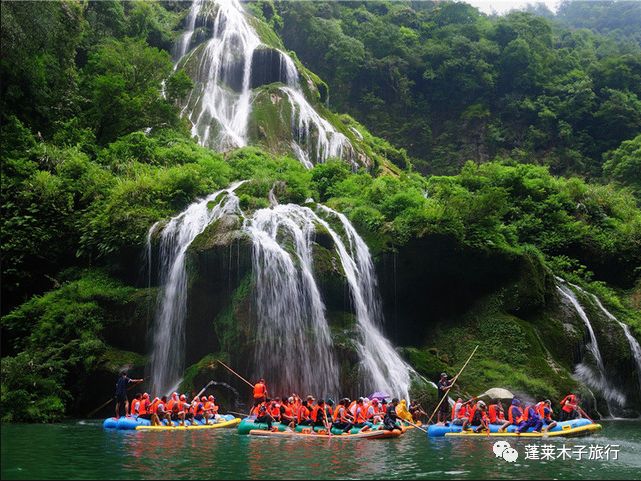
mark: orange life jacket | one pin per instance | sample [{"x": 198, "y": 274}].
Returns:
[
  {"x": 153, "y": 407},
  {"x": 317, "y": 414},
  {"x": 259, "y": 390},
  {"x": 361, "y": 415},
  {"x": 540, "y": 408},
  {"x": 275, "y": 410},
  {"x": 495, "y": 414},
  {"x": 303, "y": 414},
  {"x": 462, "y": 412},
  {"x": 170, "y": 404},
  {"x": 287, "y": 411},
  {"x": 143, "y": 407},
  {"x": 134, "y": 405},
  {"x": 337, "y": 413},
  {"x": 519, "y": 416}
]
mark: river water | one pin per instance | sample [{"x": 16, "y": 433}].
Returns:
[{"x": 80, "y": 450}]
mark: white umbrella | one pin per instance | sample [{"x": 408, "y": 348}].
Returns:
[{"x": 497, "y": 393}]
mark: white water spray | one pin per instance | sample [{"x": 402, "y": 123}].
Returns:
[
  {"x": 219, "y": 106},
  {"x": 167, "y": 358}
]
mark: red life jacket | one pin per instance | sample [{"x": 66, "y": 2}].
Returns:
[
  {"x": 568, "y": 403},
  {"x": 287, "y": 411},
  {"x": 259, "y": 390},
  {"x": 134, "y": 405},
  {"x": 275, "y": 410}
]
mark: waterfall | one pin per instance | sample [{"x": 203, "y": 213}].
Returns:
[
  {"x": 293, "y": 334},
  {"x": 383, "y": 366},
  {"x": 167, "y": 358},
  {"x": 294, "y": 347},
  {"x": 219, "y": 106},
  {"x": 598, "y": 380},
  {"x": 635, "y": 348}
]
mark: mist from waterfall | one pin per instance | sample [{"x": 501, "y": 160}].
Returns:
[{"x": 598, "y": 380}]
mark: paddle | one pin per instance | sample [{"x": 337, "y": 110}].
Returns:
[
  {"x": 415, "y": 425},
  {"x": 134, "y": 383},
  {"x": 584, "y": 414},
  {"x": 240, "y": 414},
  {"x": 235, "y": 373},
  {"x": 452, "y": 384}
]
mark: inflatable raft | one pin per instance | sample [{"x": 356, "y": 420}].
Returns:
[
  {"x": 309, "y": 434},
  {"x": 130, "y": 423},
  {"x": 576, "y": 427},
  {"x": 247, "y": 425}
]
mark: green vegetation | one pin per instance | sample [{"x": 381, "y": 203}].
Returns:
[
  {"x": 450, "y": 84},
  {"x": 92, "y": 155}
]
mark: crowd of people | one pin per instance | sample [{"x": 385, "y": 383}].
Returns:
[
  {"x": 477, "y": 416},
  {"x": 362, "y": 413},
  {"x": 344, "y": 415},
  {"x": 175, "y": 408}
]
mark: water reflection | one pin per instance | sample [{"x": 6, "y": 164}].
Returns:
[{"x": 86, "y": 451}]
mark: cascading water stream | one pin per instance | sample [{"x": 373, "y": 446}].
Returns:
[
  {"x": 219, "y": 106},
  {"x": 293, "y": 334},
  {"x": 383, "y": 366},
  {"x": 613, "y": 398},
  {"x": 167, "y": 358},
  {"x": 635, "y": 348},
  {"x": 294, "y": 343}
]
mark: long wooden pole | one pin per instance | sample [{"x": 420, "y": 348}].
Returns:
[
  {"x": 452, "y": 384},
  {"x": 234, "y": 372}
]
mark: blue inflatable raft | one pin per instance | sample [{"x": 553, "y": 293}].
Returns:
[
  {"x": 131, "y": 423},
  {"x": 576, "y": 427}
]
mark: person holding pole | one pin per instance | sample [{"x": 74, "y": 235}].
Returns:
[
  {"x": 121, "y": 392},
  {"x": 443, "y": 388},
  {"x": 260, "y": 392}
]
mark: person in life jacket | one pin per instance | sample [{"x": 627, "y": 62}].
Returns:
[
  {"x": 402, "y": 411},
  {"x": 459, "y": 412},
  {"x": 211, "y": 410},
  {"x": 260, "y": 392},
  {"x": 389, "y": 421},
  {"x": 275, "y": 409},
  {"x": 135, "y": 404},
  {"x": 360, "y": 416},
  {"x": 160, "y": 412},
  {"x": 318, "y": 414},
  {"x": 514, "y": 415},
  {"x": 302, "y": 416},
  {"x": 569, "y": 407},
  {"x": 544, "y": 409},
  {"x": 374, "y": 413},
  {"x": 179, "y": 410},
  {"x": 478, "y": 418},
  {"x": 263, "y": 414},
  {"x": 143, "y": 408},
  {"x": 198, "y": 409},
  {"x": 530, "y": 419},
  {"x": 341, "y": 417},
  {"x": 287, "y": 411},
  {"x": 495, "y": 412}
]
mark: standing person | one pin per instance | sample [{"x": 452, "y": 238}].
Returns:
[
  {"x": 260, "y": 392},
  {"x": 121, "y": 392},
  {"x": 569, "y": 407},
  {"x": 391, "y": 417},
  {"x": 443, "y": 388}
]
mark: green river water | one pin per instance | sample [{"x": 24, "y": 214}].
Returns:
[{"x": 80, "y": 450}]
